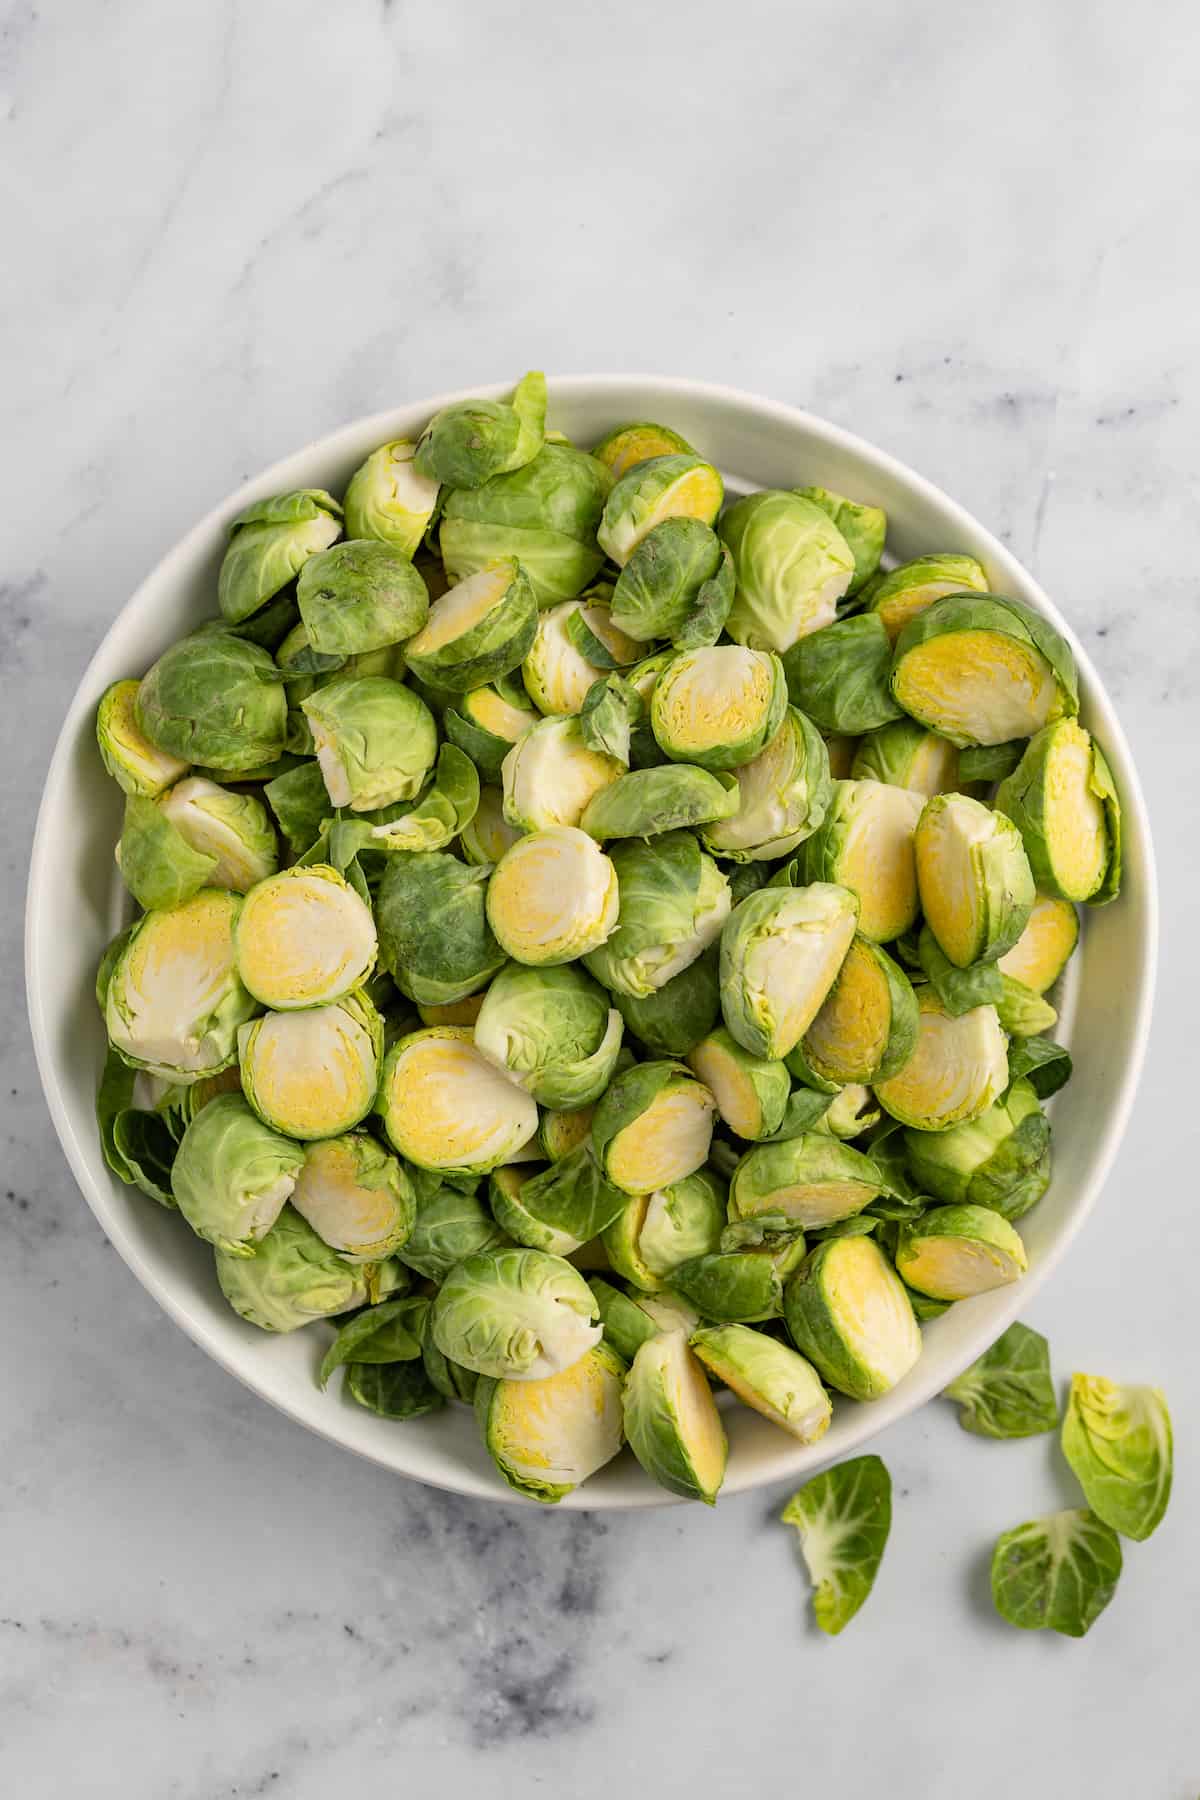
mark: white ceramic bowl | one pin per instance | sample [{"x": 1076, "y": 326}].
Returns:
[{"x": 75, "y": 906}]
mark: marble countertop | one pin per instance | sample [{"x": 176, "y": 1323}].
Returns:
[{"x": 963, "y": 232}]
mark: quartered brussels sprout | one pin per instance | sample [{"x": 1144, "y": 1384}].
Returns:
[
  {"x": 671, "y": 1020},
  {"x": 357, "y": 1198},
  {"x": 553, "y": 896},
  {"x": 446, "y": 1107},
  {"x": 904, "y": 754},
  {"x": 673, "y": 902},
  {"x": 655, "y": 1233},
  {"x": 486, "y": 723},
  {"x": 469, "y": 442},
  {"x": 303, "y": 938},
  {"x": 1062, "y": 798},
  {"x": 792, "y": 566},
  {"x": 840, "y": 676},
  {"x": 157, "y": 864},
  {"x": 552, "y": 1031},
  {"x": 973, "y": 878},
  {"x": 671, "y": 1419},
  {"x": 783, "y": 794},
  {"x": 558, "y": 1209},
  {"x": 515, "y": 1314},
  {"x": 866, "y": 1029},
  {"x": 959, "y": 1066},
  {"x": 953, "y": 1252},
  {"x": 291, "y": 1279},
  {"x": 232, "y": 1175},
  {"x": 767, "y": 1375},
  {"x": 981, "y": 669},
  {"x": 678, "y": 486},
  {"x": 647, "y": 802},
  {"x": 659, "y": 587},
  {"x": 434, "y": 937},
  {"x": 780, "y": 951},
  {"x": 1118, "y": 1442},
  {"x": 718, "y": 706},
  {"x": 234, "y": 829},
  {"x": 545, "y": 514},
  {"x": 313, "y": 1074},
  {"x": 173, "y": 1001},
  {"x": 865, "y": 843},
  {"x": 548, "y": 1436},
  {"x": 653, "y": 1127},
  {"x": 550, "y": 775},
  {"x": 477, "y": 631},
  {"x": 359, "y": 596},
  {"x": 751, "y": 1092},
  {"x": 813, "y": 1180},
  {"x": 388, "y": 500},
  {"x": 627, "y": 445},
  {"x": 214, "y": 699},
  {"x": 137, "y": 765},
  {"x": 863, "y": 527},
  {"x": 269, "y": 544},
  {"x": 375, "y": 741},
  {"x": 742, "y": 1282},
  {"x": 1046, "y": 945},
  {"x": 848, "y": 1312},
  {"x": 902, "y": 593},
  {"x": 1001, "y": 1159}
]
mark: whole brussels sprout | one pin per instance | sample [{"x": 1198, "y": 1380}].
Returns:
[
  {"x": 516, "y": 1315},
  {"x": 434, "y": 937},
  {"x": 358, "y": 596},
  {"x": 673, "y": 902},
  {"x": 552, "y": 1032},
  {"x": 467, "y": 443}
]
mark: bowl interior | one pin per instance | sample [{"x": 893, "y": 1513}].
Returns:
[{"x": 75, "y": 906}]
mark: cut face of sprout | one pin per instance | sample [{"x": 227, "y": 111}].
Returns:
[
  {"x": 958, "y": 1068},
  {"x": 304, "y": 938},
  {"x": 174, "y": 1000},
  {"x": 978, "y": 687},
  {"x": 665, "y": 1143},
  {"x": 717, "y": 707},
  {"x": 355, "y": 1196},
  {"x": 550, "y": 775},
  {"x": 553, "y": 897},
  {"x": 312, "y": 1074},
  {"x": 1044, "y": 948},
  {"x": 446, "y": 1107}
]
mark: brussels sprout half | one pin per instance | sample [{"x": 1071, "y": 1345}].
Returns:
[
  {"x": 434, "y": 937},
  {"x": 477, "y": 631},
  {"x": 751, "y": 1092},
  {"x": 863, "y": 527},
  {"x": 135, "y": 764},
  {"x": 906, "y": 591},
  {"x": 158, "y": 865},
  {"x": 658, "y": 589},
  {"x": 783, "y": 795},
  {"x": 813, "y": 1180},
  {"x": 1062, "y": 799},
  {"x": 313, "y": 1074},
  {"x": 291, "y": 1279},
  {"x": 214, "y": 699},
  {"x": 471, "y": 441},
  {"x": 388, "y": 500},
  {"x": 269, "y": 544},
  {"x": 550, "y": 775},
  {"x": 673, "y": 902},
  {"x": 973, "y": 878},
  {"x": 304, "y": 938},
  {"x": 904, "y": 754},
  {"x": 375, "y": 740},
  {"x": 768, "y": 1376},
  {"x": 552, "y": 1031},
  {"x": 653, "y": 1127},
  {"x": 514, "y": 1314},
  {"x": 544, "y": 514},
  {"x": 866, "y": 1029},
  {"x": 954, "y": 1252},
  {"x": 1046, "y": 945},
  {"x": 718, "y": 706},
  {"x": 780, "y": 951},
  {"x": 553, "y": 896},
  {"x": 173, "y": 1000},
  {"x": 959, "y": 1066},
  {"x": 232, "y": 1175},
  {"x": 678, "y": 486},
  {"x": 847, "y": 1311},
  {"x": 234, "y": 829},
  {"x": 671, "y": 1419},
  {"x": 548, "y": 1436},
  {"x": 865, "y": 843},
  {"x": 1001, "y": 1159},
  {"x": 446, "y": 1107},
  {"x": 792, "y": 566},
  {"x": 627, "y": 445},
  {"x": 647, "y": 802},
  {"x": 981, "y": 669},
  {"x": 655, "y": 1233},
  {"x": 357, "y": 1198},
  {"x": 486, "y": 724}
]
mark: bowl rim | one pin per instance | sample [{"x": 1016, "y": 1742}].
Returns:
[{"x": 866, "y": 1422}]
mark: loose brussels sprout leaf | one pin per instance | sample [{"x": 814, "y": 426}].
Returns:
[
  {"x": 375, "y": 741},
  {"x": 847, "y": 1311},
  {"x": 863, "y": 527},
  {"x": 157, "y": 864},
  {"x": 792, "y": 566},
  {"x": 269, "y": 544},
  {"x": 550, "y": 775},
  {"x": 232, "y": 1175},
  {"x": 548, "y": 1436},
  {"x": 611, "y": 707},
  {"x": 486, "y": 724},
  {"x": 980, "y": 984},
  {"x": 552, "y": 1031},
  {"x": 514, "y": 1314},
  {"x": 313, "y": 1074},
  {"x": 626, "y": 446},
  {"x": 445, "y": 1107},
  {"x": 544, "y": 514},
  {"x": 450, "y": 1225},
  {"x": 1061, "y": 799},
  {"x": 980, "y": 669},
  {"x": 973, "y": 878},
  {"x": 956, "y": 1071},
  {"x": 270, "y": 625},
  {"x": 173, "y": 1001},
  {"x": 1046, "y": 945},
  {"x": 903, "y": 754},
  {"x": 360, "y": 595},
  {"x": 1057, "y": 1573},
  {"x": 866, "y": 1029},
  {"x": 1117, "y": 1440},
  {"x": 557, "y": 1209},
  {"x": 865, "y": 843},
  {"x": 673, "y": 902},
  {"x": 478, "y": 630},
  {"x": 652, "y": 1127},
  {"x": 658, "y": 588},
  {"x": 839, "y": 675},
  {"x": 393, "y": 1390},
  {"x": 1022, "y": 1012},
  {"x": 953, "y": 1252},
  {"x": 1001, "y": 1159},
  {"x": 144, "y": 1151},
  {"x": 804, "y": 1111},
  {"x": 302, "y": 663},
  {"x": 1044, "y": 1064},
  {"x": 781, "y": 950},
  {"x": 291, "y": 1279},
  {"x": 655, "y": 1234},
  {"x": 814, "y": 1180},
  {"x": 357, "y": 1198},
  {"x": 906, "y": 591},
  {"x": 671, "y": 1419},
  {"x": 746, "y": 879},
  {"x": 671, "y": 1020},
  {"x": 388, "y": 1333},
  {"x": 647, "y": 802},
  {"x": 553, "y": 897},
  {"x": 989, "y": 763},
  {"x": 678, "y": 486},
  {"x": 304, "y": 938},
  {"x": 300, "y": 801},
  {"x": 751, "y": 1092},
  {"x": 718, "y": 706},
  {"x": 767, "y": 1376},
  {"x": 468, "y": 443},
  {"x": 388, "y": 500},
  {"x": 443, "y": 811},
  {"x": 783, "y": 796},
  {"x": 433, "y": 932},
  {"x": 216, "y": 700},
  {"x": 234, "y": 829},
  {"x": 450, "y": 1379},
  {"x": 1008, "y": 1392},
  {"x": 843, "y": 1515},
  {"x": 135, "y": 764},
  {"x": 484, "y": 841}
]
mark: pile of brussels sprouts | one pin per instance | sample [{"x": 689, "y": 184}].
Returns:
[{"x": 595, "y": 938}]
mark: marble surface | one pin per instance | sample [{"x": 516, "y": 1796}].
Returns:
[{"x": 963, "y": 232}]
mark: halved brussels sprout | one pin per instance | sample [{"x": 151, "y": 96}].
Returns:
[
  {"x": 792, "y": 565},
  {"x": 269, "y": 544},
  {"x": 673, "y": 903},
  {"x": 515, "y": 1314},
  {"x": 214, "y": 699},
  {"x": 304, "y": 938},
  {"x": 234, "y": 829},
  {"x": 158, "y": 865},
  {"x": 313, "y": 1074},
  {"x": 478, "y": 630},
  {"x": 848, "y": 1312},
  {"x": 375, "y": 740},
  {"x": 658, "y": 589},
  {"x": 1046, "y": 945},
  {"x": 655, "y": 1233},
  {"x": 357, "y": 1198},
  {"x": 839, "y": 676},
  {"x": 486, "y": 724},
  {"x": 434, "y": 937},
  {"x": 866, "y": 1029},
  {"x": 1063, "y": 801},
  {"x": 973, "y": 878},
  {"x": 780, "y": 952},
  {"x": 960, "y": 1065},
  {"x": 671, "y": 1020},
  {"x": 751, "y": 1092},
  {"x": 232, "y": 1175},
  {"x": 360, "y": 596},
  {"x": 767, "y": 1375},
  {"x": 671, "y": 1419},
  {"x": 291, "y": 1279},
  {"x": 865, "y": 843},
  {"x": 812, "y": 1179},
  {"x": 1001, "y": 1159},
  {"x": 647, "y": 802},
  {"x": 544, "y": 514},
  {"x": 627, "y": 445},
  {"x": 653, "y": 1127},
  {"x": 550, "y": 775},
  {"x": 903, "y": 754},
  {"x": 548, "y": 1436},
  {"x": 718, "y": 706},
  {"x": 174, "y": 1002},
  {"x": 553, "y": 896},
  {"x": 450, "y": 1225},
  {"x": 980, "y": 669},
  {"x": 469, "y": 442},
  {"x": 505, "y": 1187},
  {"x": 1023, "y": 1013},
  {"x": 552, "y": 1032},
  {"x": 783, "y": 792},
  {"x": 558, "y": 1209},
  {"x": 556, "y": 671},
  {"x": 135, "y": 764},
  {"x": 388, "y": 500},
  {"x": 679, "y": 486},
  {"x": 446, "y": 1107},
  {"x": 863, "y": 527},
  {"x": 906, "y": 591},
  {"x": 742, "y": 1282},
  {"x": 489, "y": 835},
  {"x": 954, "y": 1252}
]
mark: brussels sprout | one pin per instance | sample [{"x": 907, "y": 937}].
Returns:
[
  {"x": 486, "y": 724},
  {"x": 518, "y": 1223},
  {"x": 767, "y": 1375},
  {"x": 375, "y": 741},
  {"x": 743, "y": 1281},
  {"x": 1118, "y": 1442},
  {"x": 851, "y": 1111},
  {"x": 304, "y": 666},
  {"x": 300, "y": 801},
  {"x": 232, "y": 1175},
  {"x": 611, "y": 708},
  {"x": 783, "y": 795},
  {"x": 980, "y": 669},
  {"x": 863, "y": 527},
  {"x": 792, "y": 565},
  {"x": 718, "y": 707},
  {"x": 781, "y": 950},
  {"x": 1046, "y": 945},
  {"x": 1021, "y": 1012},
  {"x": 216, "y": 700},
  {"x": 173, "y": 1001},
  {"x": 865, "y": 843},
  {"x": 514, "y": 1314},
  {"x": 544, "y": 514},
  {"x": 589, "y": 628},
  {"x": 388, "y": 500},
  {"x": 561, "y": 1132},
  {"x": 671, "y": 1419},
  {"x": 1057, "y": 1573},
  {"x": 1001, "y": 1159},
  {"x": 553, "y": 896},
  {"x": 445, "y": 1107},
  {"x": 847, "y": 1311},
  {"x": 1062, "y": 799},
  {"x": 557, "y": 1209},
  {"x": 433, "y": 932},
  {"x": 158, "y": 865},
  {"x": 866, "y": 1029},
  {"x": 813, "y": 1179},
  {"x": 449, "y": 1225},
  {"x": 673, "y": 903},
  {"x": 903, "y": 754},
  {"x": 444, "y": 810},
  {"x": 973, "y": 878},
  {"x": 469, "y": 442},
  {"x": 1008, "y": 1391},
  {"x": 627, "y": 445},
  {"x": 662, "y": 581},
  {"x": 647, "y": 802},
  {"x": 550, "y": 775},
  {"x": 548, "y": 1436},
  {"x": 960, "y": 1065},
  {"x": 751, "y": 1092},
  {"x": 653, "y": 1127},
  {"x": 359, "y": 596},
  {"x": 552, "y": 1032},
  {"x": 291, "y": 1279},
  {"x": 234, "y": 829},
  {"x": 678, "y": 486},
  {"x": 655, "y": 1233},
  {"x": 357, "y": 1198},
  {"x": 477, "y": 631},
  {"x": 839, "y": 676},
  {"x": 902, "y": 593},
  {"x": 953, "y": 1252},
  {"x": 269, "y": 544},
  {"x": 313, "y": 1074},
  {"x": 843, "y": 1516},
  {"x": 671, "y": 1020},
  {"x": 137, "y": 765},
  {"x": 304, "y": 938},
  {"x": 390, "y": 1332},
  {"x": 489, "y": 835}
]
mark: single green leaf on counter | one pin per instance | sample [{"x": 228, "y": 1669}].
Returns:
[
  {"x": 1118, "y": 1442},
  {"x": 843, "y": 1516},
  {"x": 1008, "y": 1392},
  {"x": 1057, "y": 1573}
]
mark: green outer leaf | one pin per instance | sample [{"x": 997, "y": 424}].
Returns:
[
  {"x": 450, "y": 1224},
  {"x": 714, "y": 602},
  {"x": 393, "y": 1390},
  {"x": 441, "y": 813},
  {"x": 1008, "y": 1392},
  {"x": 146, "y": 1145},
  {"x": 359, "y": 595},
  {"x": 572, "y": 1196},
  {"x": 804, "y": 1111},
  {"x": 959, "y": 990},
  {"x": 114, "y": 1097},
  {"x": 158, "y": 865},
  {"x": 839, "y": 676},
  {"x": 658, "y": 588},
  {"x": 387, "y": 1333},
  {"x": 989, "y": 762},
  {"x": 1105, "y": 788},
  {"x": 1118, "y": 1442},
  {"x": 1056, "y": 1573},
  {"x": 433, "y": 932},
  {"x": 1045, "y": 1065},
  {"x": 611, "y": 708},
  {"x": 843, "y": 1515},
  {"x": 300, "y": 801}
]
